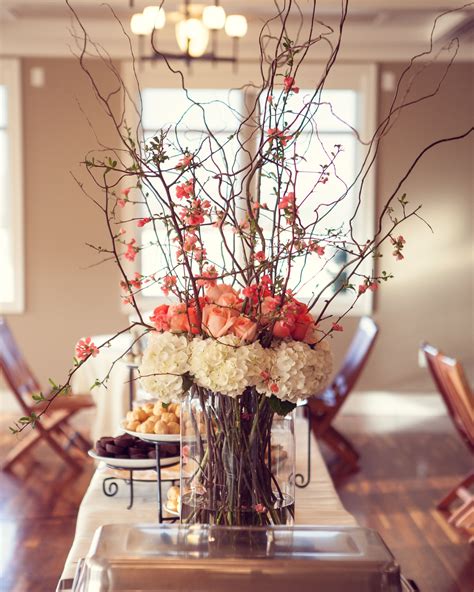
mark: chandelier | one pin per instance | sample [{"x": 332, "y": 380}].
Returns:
[{"x": 196, "y": 28}]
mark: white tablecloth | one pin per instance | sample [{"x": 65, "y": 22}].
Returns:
[
  {"x": 112, "y": 400},
  {"x": 317, "y": 504}
]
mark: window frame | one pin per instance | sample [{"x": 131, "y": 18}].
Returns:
[
  {"x": 359, "y": 76},
  {"x": 10, "y": 76}
]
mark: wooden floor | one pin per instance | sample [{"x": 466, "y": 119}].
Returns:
[{"x": 406, "y": 467}]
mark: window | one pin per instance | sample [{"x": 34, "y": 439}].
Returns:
[
  {"x": 11, "y": 196},
  {"x": 351, "y": 96},
  {"x": 328, "y": 134},
  {"x": 192, "y": 131}
]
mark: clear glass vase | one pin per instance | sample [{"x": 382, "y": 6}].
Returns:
[{"x": 238, "y": 460}]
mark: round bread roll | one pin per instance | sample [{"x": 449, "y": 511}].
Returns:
[
  {"x": 158, "y": 409},
  {"x": 171, "y": 408},
  {"x": 139, "y": 414},
  {"x": 148, "y": 426},
  {"x": 132, "y": 425},
  {"x": 129, "y": 416},
  {"x": 173, "y": 427},
  {"x": 148, "y": 407},
  {"x": 160, "y": 427},
  {"x": 173, "y": 492},
  {"x": 168, "y": 417},
  {"x": 141, "y": 428},
  {"x": 177, "y": 410}
]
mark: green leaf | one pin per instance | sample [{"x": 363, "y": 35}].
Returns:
[{"x": 281, "y": 407}]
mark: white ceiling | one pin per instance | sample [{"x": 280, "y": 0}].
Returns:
[{"x": 387, "y": 30}]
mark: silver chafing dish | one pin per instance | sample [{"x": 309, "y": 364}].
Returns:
[{"x": 199, "y": 558}]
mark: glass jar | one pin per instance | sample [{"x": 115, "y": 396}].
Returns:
[{"x": 237, "y": 460}]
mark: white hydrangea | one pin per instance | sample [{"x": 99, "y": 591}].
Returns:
[
  {"x": 165, "y": 360},
  {"x": 297, "y": 371},
  {"x": 224, "y": 366}
]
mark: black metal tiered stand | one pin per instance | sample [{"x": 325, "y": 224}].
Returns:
[{"x": 110, "y": 485}]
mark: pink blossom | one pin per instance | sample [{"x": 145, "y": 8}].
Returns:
[
  {"x": 169, "y": 282},
  {"x": 121, "y": 202},
  {"x": 315, "y": 247},
  {"x": 260, "y": 508},
  {"x": 287, "y": 202},
  {"x": 274, "y": 387},
  {"x": 270, "y": 99},
  {"x": 185, "y": 190},
  {"x": 207, "y": 279},
  {"x": 85, "y": 348},
  {"x": 362, "y": 288},
  {"x": 126, "y": 191},
  {"x": 199, "y": 254},
  {"x": 137, "y": 281},
  {"x": 142, "y": 222},
  {"x": 289, "y": 85},
  {"x": 276, "y": 134},
  {"x": 373, "y": 287},
  {"x": 132, "y": 250},
  {"x": 185, "y": 161},
  {"x": 337, "y": 327},
  {"x": 260, "y": 256},
  {"x": 185, "y": 452},
  {"x": 121, "y": 231}
]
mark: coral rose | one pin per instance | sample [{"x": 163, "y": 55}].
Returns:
[
  {"x": 214, "y": 292},
  {"x": 244, "y": 328},
  {"x": 178, "y": 318},
  {"x": 229, "y": 300},
  {"x": 303, "y": 323},
  {"x": 268, "y": 308},
  {"x": 284, "y": 328},
  {"x": 160, "y": 318},
  {"x": 217, "y": 320}
]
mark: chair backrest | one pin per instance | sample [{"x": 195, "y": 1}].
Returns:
[
  {"x": 356, "y": 357},
  {"x": 451, "y": 381},
  {"x": 13, "y": 365}
]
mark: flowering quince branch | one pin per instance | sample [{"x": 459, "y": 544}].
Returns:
[{"x": 241, "y": 312}]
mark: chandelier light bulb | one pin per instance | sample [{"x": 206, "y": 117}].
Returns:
[
  {"x": 140, "y": 25},
  {"x": 155, "y": 15},
  {"x": 192, "y": 36},
  {"x": 214, "y": 17},
  {"x": 236, "y": 25}
]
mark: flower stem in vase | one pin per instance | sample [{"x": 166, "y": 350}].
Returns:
[{"x": 231, "y": 472}]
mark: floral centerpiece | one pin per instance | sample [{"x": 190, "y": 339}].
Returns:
[
  {"x": 239, "y": 225},
  {"x": 237, "y": 385}
]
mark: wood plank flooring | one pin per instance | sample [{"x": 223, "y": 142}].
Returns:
[
  {"x": 404, "y": 472},
  {"x": 406, "y": 468}
]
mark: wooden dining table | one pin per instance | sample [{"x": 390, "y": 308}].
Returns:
[{"x": 316, "y": 504}]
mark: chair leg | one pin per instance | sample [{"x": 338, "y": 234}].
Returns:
[
  {"x": 332, "y": 438},
  {"x": 453, "y": 494},
  {"x": 40, "y": 433},
  {"x": 20, "y": 449},
  {"x": 74, "y": 437},
  {"x": 347, "y": 444}
]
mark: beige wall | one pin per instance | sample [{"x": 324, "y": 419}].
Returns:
[
  {"x": 430, "y": 298},
  {"x": 64, "y": 299}
]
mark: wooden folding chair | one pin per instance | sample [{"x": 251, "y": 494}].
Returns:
[
  {"x": 323, "y": 408},
  {"x": 450, "y": 379},
  {"x": 54, "y": 425}
]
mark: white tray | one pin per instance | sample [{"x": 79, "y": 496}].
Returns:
[
  {"x": 154, "y": 437},
  {"x": 134, "y": 463}
]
